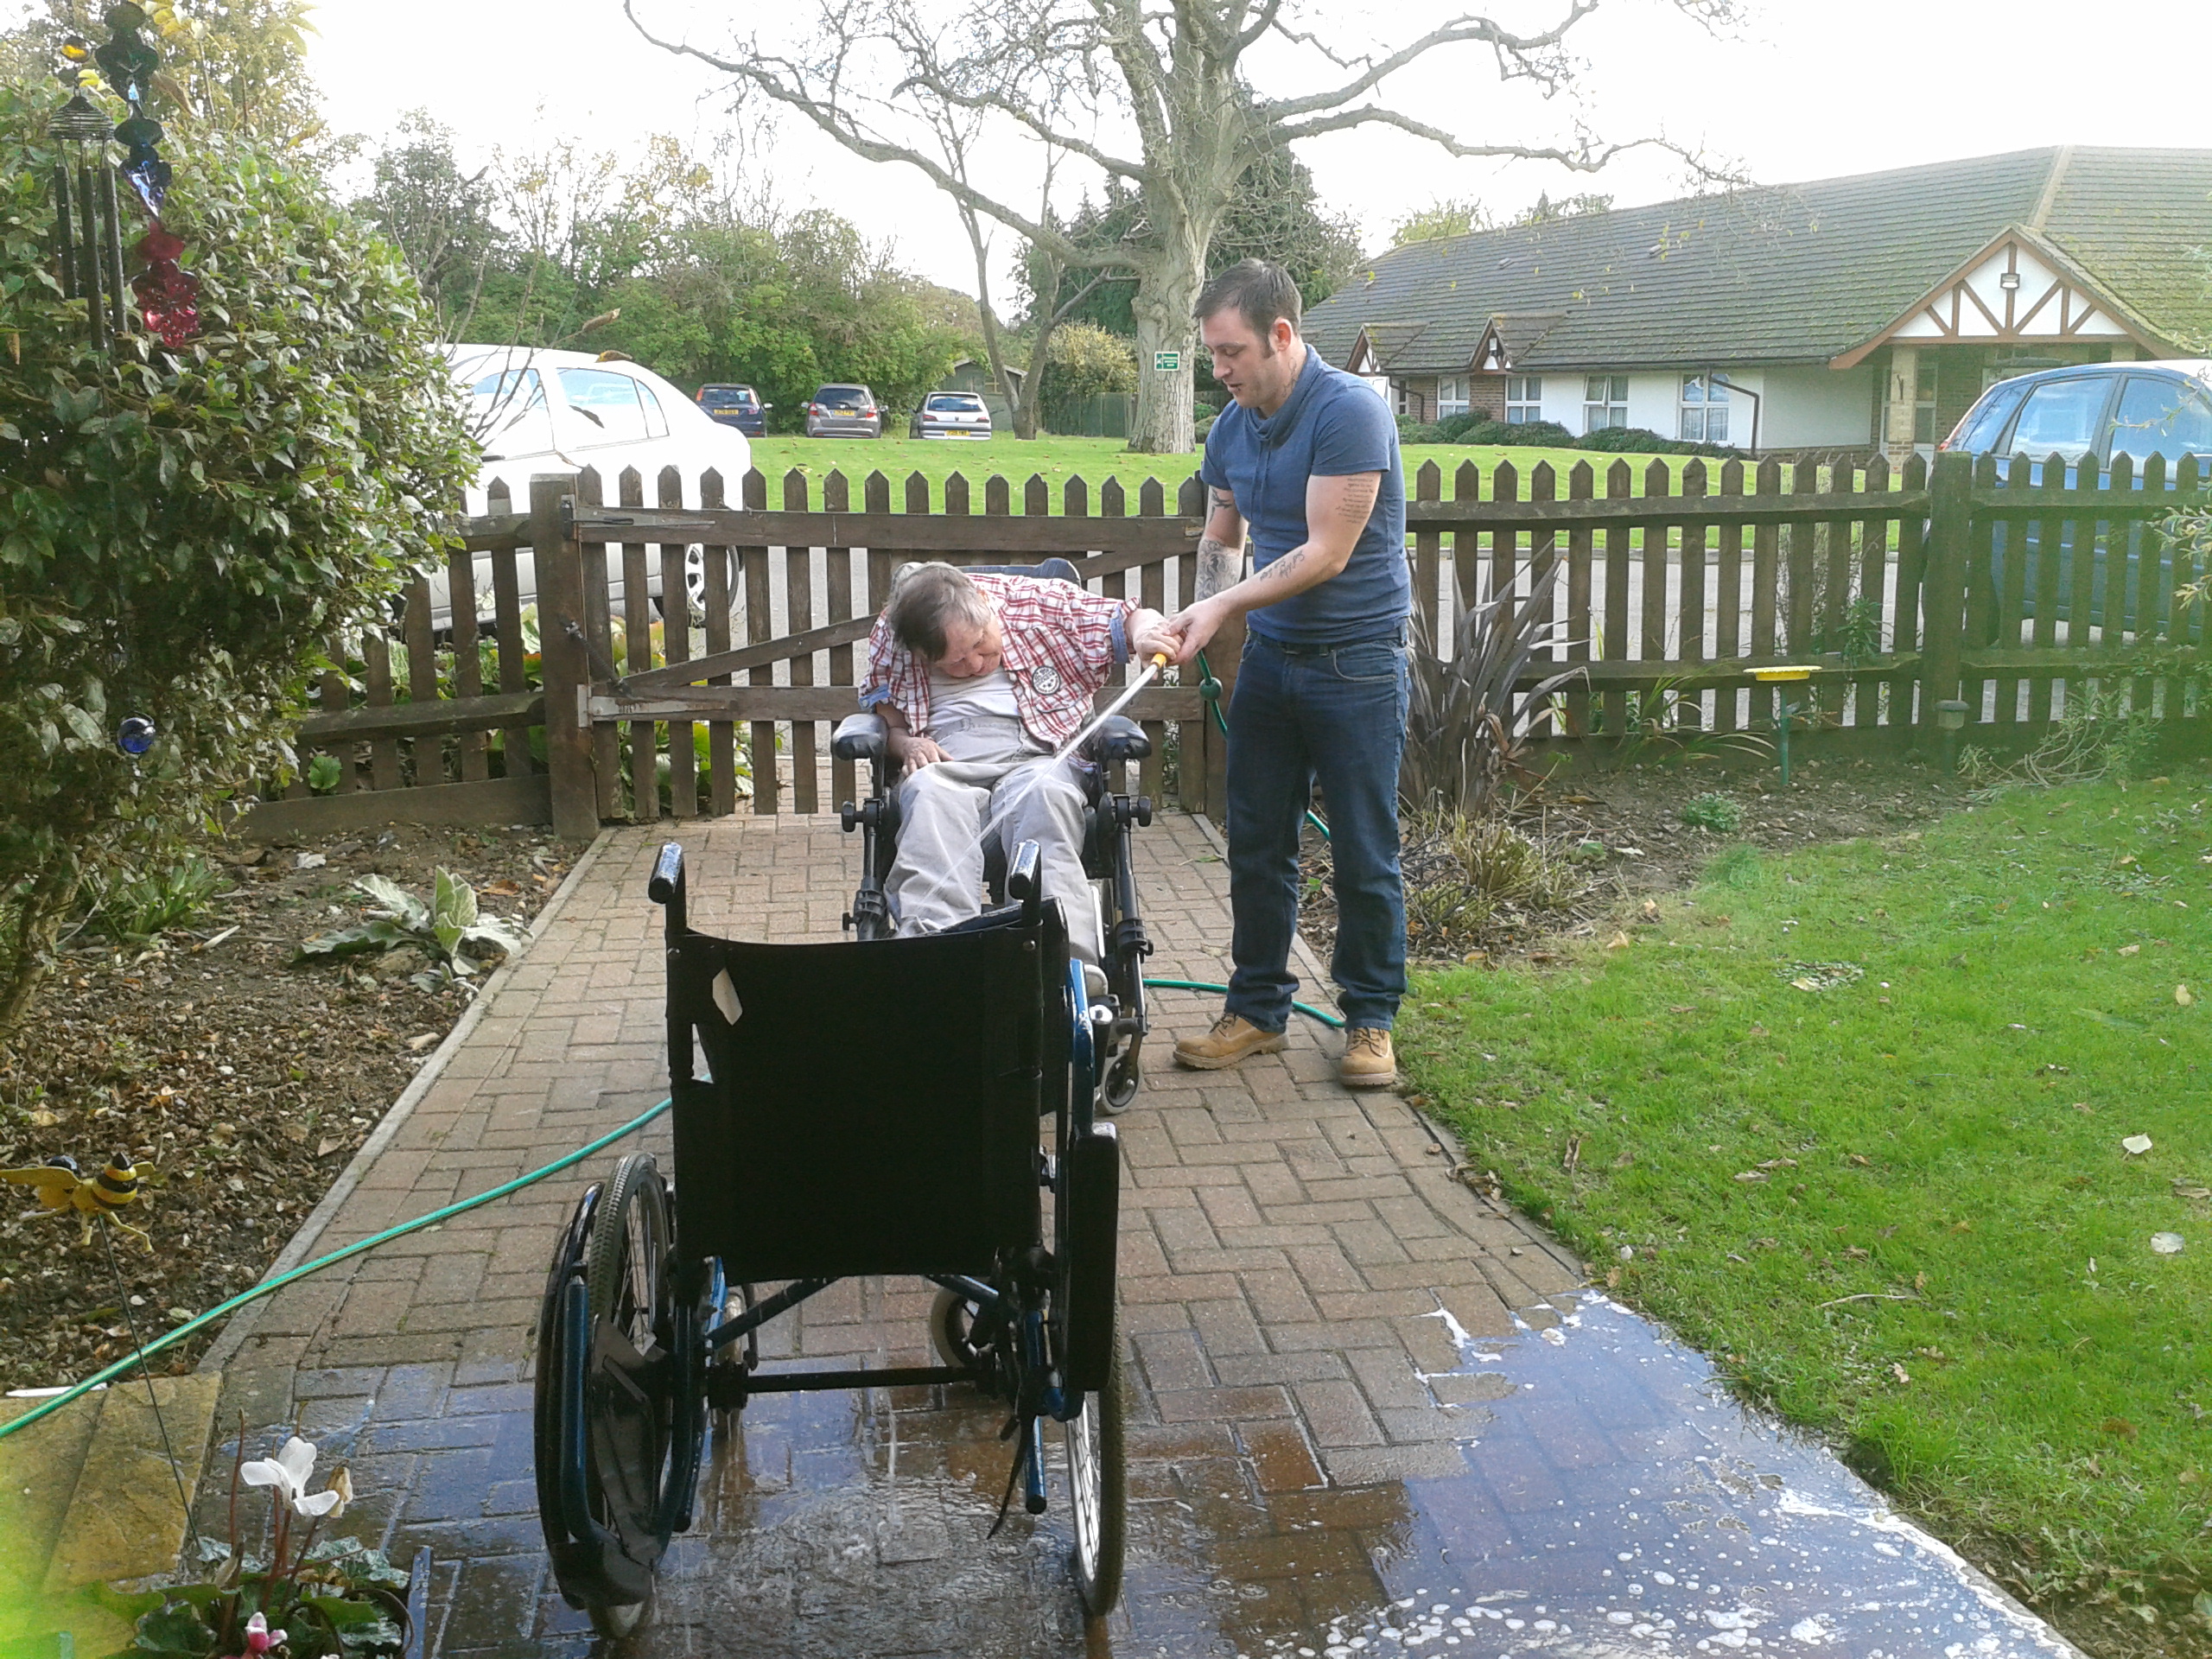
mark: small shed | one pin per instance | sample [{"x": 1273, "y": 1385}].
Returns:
[{"x": 970, "y": 375}]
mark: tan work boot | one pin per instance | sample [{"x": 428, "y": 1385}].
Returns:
[
  {"x": 1232, "y": 1038},
  {"x": 1367, "y": 1062}
]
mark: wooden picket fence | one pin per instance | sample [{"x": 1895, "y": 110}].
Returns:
[{"x": 1667, "y": 589}]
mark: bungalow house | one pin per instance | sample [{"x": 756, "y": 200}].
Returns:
[{"x": 1846, "y": 314}]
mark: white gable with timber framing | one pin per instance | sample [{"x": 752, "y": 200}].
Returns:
[{"x": 2018, "y": 290}]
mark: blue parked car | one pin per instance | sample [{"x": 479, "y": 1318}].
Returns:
[
  {"x": 2090, "y": 415},
  {"x": 737, "y": 406}
]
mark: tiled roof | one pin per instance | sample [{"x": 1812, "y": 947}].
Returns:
[{"x": 1784, "y": 274}]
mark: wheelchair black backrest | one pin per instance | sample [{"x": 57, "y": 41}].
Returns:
[{"x": 870, "y": 1109}]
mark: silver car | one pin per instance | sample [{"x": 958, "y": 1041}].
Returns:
[
  {"x": 844, "y": 411},
  {"x": 951, "y": 414}
]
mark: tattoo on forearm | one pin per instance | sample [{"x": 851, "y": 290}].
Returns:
[
  {"x": 1223, "y": 500},
  {"x": 1219, "y": 566},
  {"x": 1358, "y": 500}
]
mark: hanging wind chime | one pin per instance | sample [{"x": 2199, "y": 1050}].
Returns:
[{"x": 88, "y": 218}]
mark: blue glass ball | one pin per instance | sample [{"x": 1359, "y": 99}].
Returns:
[{"x": 135, "y": 735}]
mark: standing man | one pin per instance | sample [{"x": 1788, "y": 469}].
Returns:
[{"x": 1307, "y": 459}]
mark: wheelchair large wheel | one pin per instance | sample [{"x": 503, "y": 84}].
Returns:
[
  {"x": 632, "y": 1456},
  {"x": 1097, "y": 1469}
]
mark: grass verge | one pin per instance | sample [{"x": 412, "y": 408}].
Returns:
[{"x": 1851, "y": 1119}]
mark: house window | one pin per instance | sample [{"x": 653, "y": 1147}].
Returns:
[
  {"x": 1705, "y": 409},
  {"x": 1524, "y": 398},
  {"x": 1605, "y": 401},
  {"x": 1924, "y": 399},
  {"x": 1451, "y": 397}
]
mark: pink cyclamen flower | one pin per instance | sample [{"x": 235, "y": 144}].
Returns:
[{"x": 257, "y": 1638}]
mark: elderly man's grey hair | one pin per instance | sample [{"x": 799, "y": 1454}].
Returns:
[{"x": 926, "y": 597}]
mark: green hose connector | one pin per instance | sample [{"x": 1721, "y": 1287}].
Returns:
[{"x": 169, "y": 1339}]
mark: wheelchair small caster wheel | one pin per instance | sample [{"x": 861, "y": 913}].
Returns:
[
  {"x": 1122, "y": 1081},
  {"x": 615, "y": 1623},
  {"x": 953, "y": 1327}
]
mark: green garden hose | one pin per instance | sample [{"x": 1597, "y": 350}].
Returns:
[
  {"x": 1210, "y": 690},
  {"x": 1328, "y": 1019},
  {"x": 169, "y": 1339}
]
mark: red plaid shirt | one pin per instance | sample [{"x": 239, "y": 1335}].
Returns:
[{"x": 1060, "y": 642}]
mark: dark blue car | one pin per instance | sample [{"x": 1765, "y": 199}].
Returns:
[
  {"x": 2093, "y": 415},
  {"x": 737, "y": 406}
]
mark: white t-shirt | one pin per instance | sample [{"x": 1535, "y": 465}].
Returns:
[{"x": 987, "y": 695}]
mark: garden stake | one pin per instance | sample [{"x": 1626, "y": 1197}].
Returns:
[{"x": 176, "y": 1473}]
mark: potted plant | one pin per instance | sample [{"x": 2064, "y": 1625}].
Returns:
[{"x": 303, "y": 1597}]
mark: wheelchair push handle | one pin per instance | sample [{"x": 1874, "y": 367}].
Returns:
[
  {"x": 1022, "y": 880},
  {"x": 666, "y": 884}
]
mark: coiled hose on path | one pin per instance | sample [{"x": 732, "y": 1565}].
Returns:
[{"x": 170, "y": 1338}]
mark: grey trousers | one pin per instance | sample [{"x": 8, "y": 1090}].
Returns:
[{"x": 937, "y": 880}]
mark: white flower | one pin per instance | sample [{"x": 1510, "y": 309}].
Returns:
[{"x": 288, "y": 1471}]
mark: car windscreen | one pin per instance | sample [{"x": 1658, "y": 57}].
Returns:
[
  {"x": 959, "y": 403},
  {"x": 842, "y": 397},
  {"x": 2161, "y": 418},
  {"x": 725, "y": 398}
]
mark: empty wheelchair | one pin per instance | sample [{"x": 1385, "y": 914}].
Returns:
[
  {"x": 863, "y": 1110},
  {"x": 1110, "y": 819}
]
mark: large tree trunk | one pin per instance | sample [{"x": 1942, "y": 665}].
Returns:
[{"x": 1167, "y": 287}]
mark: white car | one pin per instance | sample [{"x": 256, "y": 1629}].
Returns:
[{"x": 545, "y": 411}]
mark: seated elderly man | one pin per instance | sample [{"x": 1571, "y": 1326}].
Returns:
[{"x": 979, "y": 679}]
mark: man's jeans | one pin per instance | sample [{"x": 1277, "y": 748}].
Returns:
[{"x": 1339, "y": 716}]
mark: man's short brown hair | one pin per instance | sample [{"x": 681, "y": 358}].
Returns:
[
  {"x": 927, "y": 596},
  {"x": 1259, "y": 291}
]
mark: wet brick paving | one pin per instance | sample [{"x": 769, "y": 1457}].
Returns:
[{"x": 1373, "y": 1412}]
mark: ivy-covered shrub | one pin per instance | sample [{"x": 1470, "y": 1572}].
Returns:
[{"x": 183, "y": 530}]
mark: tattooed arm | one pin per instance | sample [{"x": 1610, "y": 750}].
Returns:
[
  {"x": 1220, "y": 547},
  {"x": 1337, "y": 511}
]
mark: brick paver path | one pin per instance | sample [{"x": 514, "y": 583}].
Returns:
[{"x": 1323, "y": 1320}]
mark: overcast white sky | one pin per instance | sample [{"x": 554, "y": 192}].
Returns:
[{"x": 1806, "y": 89}]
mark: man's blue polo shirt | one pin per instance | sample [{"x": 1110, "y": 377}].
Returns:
[{"x": 1332, "y": 423}]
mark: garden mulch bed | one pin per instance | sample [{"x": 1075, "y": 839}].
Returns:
[
  {"x": 1621, "y": 835},
  {"x": 247, "y": 1081}
]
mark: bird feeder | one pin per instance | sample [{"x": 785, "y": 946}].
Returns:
[{"x": 1784, "y": 674}]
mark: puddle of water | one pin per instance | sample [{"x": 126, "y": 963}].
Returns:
[{"x": 1617, "y": 1502}]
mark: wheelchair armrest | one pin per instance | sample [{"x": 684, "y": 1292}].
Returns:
[
  {"x": 860, "y": 737},
  {"x": 1119, "y": 738}
]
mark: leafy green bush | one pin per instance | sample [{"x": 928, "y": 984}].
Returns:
[
  {"x": 1722, "y": 814},
  {"x": 182, "y": 531},
  {"x": 1643, "y": 440},
  {"x": 137, "y": 906}
]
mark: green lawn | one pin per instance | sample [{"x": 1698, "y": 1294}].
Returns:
[
  {"x": 1058, "y": 460},
  {"x": 1898, "y": 1209}
]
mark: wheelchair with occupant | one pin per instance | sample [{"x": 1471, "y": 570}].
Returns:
[
  {"x": 930, "y": 1106},
  {"x": 1110, "y": 817}
]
